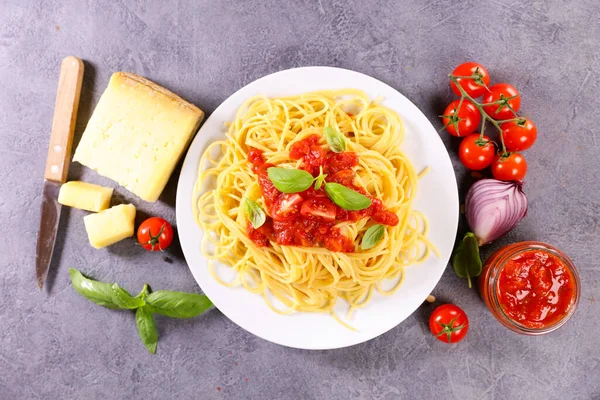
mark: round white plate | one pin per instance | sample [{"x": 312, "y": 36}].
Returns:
[{"x": 437, "y": 199}]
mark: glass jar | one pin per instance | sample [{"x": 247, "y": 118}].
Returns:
[{"x": 490, "y": 278}]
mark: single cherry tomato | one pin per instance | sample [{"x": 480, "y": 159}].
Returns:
[
  {"x": 318, "y": 207},
  {"x": 467, "y": 119},
  {"x": 510, "y": 168},
  {"x": 473, "y": 87},
  {"x": 449, "y": 323},
  {"x": 502, "y": 91},
  {"x": 519, "y": 135},
  {"x": 286, "y": 207},
  {"x": 344, "y": 177},
  {"x": 155, "y": 234},
  {"x": 476, "y": 153}
]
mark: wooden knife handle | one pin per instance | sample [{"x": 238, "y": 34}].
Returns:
[{"x": 65, "y": 115}]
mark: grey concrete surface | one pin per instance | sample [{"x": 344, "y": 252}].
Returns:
[{"x": 56, "y": 345}]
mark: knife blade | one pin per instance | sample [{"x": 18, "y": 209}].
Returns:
[
  {"x": 48, "y": 229},
  {"x": 57, "y": 164}
]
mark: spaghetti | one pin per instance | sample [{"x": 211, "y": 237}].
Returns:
[{"x": 310, "y": 279}]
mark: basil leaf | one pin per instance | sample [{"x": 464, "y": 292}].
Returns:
[
  {"x": 289, "y": 180},
  {"x": 177, "y": 304},
  {"x": 147, "y": 329},
  {"x": 346, "y": 198},
  {"x": 255, "y": 214},
  {"x": 372, "y": 236},
  {"x": 319, "y": 181},
  {"x": 124, "y": 300},
  {"x": 97, "y": 292},
  {"x": 335, "y": 140},
  {"x": 466, "y": 261}
]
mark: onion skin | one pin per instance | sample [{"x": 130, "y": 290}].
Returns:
[{"x": 494, "y": 208}]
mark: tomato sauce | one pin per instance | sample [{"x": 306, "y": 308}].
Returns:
[
  {"x": 535, "y": 288},
  {"x": 308, "y": 218}
]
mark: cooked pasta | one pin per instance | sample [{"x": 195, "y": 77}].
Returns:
[{"x": 311, "y": 278}]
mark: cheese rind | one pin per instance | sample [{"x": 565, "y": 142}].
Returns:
[
  {"x": 85, "y": 196},
  {"x": 110, "y": 226},
  {"x": 137, "y": 134}
]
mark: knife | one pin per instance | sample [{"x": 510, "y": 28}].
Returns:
[{"x": 57, "y": 165}]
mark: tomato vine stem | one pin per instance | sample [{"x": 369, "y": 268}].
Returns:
[{"x": 500, "y": 102}]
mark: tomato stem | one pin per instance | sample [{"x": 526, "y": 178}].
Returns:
[
  {"x": 154, "y": 240},
  {"x": 447, "y": 329},
  {"x": 502, "y": 102}
]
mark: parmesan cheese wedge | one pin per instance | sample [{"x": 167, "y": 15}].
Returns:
[
  {"x": 85, "y": 196},
  {"x": 137, "y": 134},
  {"x": 110, "y": 226}
]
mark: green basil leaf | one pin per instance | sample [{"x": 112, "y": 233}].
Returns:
[
  {"x": 372, "y": 236},
  {"x": 346, "y": 198},
  {"x": 255, "y": 214},
  {"x": 124, "y": 300},
  {"x": 289, "y": 180},
  {"x": 147, "y": 328},
  {"x": 319, "y": 181},
  {"x": 336, "y": 140},
  {"x": 177, "y": 304},
  {"x": 97, "y": 292},
  {"x": 466, "y": 261}
]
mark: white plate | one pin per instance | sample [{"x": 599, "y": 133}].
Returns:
[{"x": 437, "y": 199}]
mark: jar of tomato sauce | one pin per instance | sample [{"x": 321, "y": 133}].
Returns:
[{"x": 531, "y": 287}]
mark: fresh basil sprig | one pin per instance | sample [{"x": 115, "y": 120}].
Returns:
[
  {"x": 288, "y": 180},
  {"x": 336, "y": 140},
  {"x": 466, "y": 261},
  {"x": 255, "y": 214},
  {"x": 346, "y": 198},
  {"x": 165, "y": 302},
  {"x": 372, "y": 236}
]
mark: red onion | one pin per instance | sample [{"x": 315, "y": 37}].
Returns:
[{"x": 494, "y": 208}]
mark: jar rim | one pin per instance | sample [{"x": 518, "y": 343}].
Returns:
[{"x": 506, "y": 254}]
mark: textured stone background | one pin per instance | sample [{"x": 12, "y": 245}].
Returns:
[{"x": 58, "y": 345}]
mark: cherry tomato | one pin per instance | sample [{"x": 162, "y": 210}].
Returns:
[
  {"x": 449, "y": 323},
  {"x": 474, "y": 88},
  {"x": 519, "y": 137},
  {"x": 286, "y": 207},
  {"x": 475, "y": 153},
  {"x": 344, "y": 177},
  {"x": 467, "y": 119},
  {"x": 510, "y": 168},
  {"x": 501, "y": 91},
  {"x": 155, "y": 234},
  {"x": 318, "y": 207}
]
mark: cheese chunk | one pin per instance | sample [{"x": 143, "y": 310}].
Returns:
[
  {"x": 137, "y": 134},
  {"x": 85, "y": 196},
  {"x": 110, "y": 226}
]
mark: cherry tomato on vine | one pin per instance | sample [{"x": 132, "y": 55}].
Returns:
[
  {"x": 155, "y": 234},
  {"x": 476, "y": 153},
  {"x": 509, "y": 168},
  {"x": 519, "y": 136},
  {"x": 463, "y": 122},
  {"x": 501, "y": 91},
  {"x": 449, "y": 323},
  {"x": 474, "y": 87}
]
